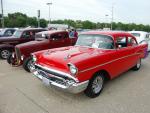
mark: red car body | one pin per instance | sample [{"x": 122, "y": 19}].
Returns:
[{"x": 88, "y": 61}]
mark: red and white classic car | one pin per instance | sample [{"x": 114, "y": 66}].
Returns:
[{"x": 96, "y": 57}]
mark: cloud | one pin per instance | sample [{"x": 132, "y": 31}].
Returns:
[{"x": 93, "y": 10}]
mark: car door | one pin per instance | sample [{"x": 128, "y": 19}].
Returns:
[
  {"x": 67, "y": 41},
  {"x": 148, "y": 40},
  {"x": 58, "y": 40},
  {"x": 27, "y": 36},
  {"x": 123, "y": 58}
]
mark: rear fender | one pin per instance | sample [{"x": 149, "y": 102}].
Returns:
[{"x": 144, "y": 50}]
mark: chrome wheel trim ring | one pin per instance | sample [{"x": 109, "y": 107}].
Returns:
[
  {"x": 30, "y": 65},
  {"x": 97, "y": 84},
  {"x": 138, "y": 64}
]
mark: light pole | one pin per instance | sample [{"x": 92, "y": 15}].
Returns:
[
  {"x": 2, "y": 19},
  {"x": 49, "y": 4},
  {"x": 106, "y": 20},
  {"x": 112, "y": 17},
  {"x": 38, "y": 18}
]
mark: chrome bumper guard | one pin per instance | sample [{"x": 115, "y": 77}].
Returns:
[{"x": 59, "y": 79}]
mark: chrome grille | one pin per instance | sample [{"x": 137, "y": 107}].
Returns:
[
  {"x": 18, "y": 54},
  {"x": 55, "y": 77}
]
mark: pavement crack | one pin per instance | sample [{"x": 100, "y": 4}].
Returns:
[{"x": 45, "y": 111}]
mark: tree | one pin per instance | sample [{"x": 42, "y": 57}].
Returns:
[{"x": 22, "y": 20}]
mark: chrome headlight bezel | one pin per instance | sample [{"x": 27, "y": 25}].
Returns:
[
  {"x": 73, "y": 69},
  {"x": 13, "y": 55},
  {"x": 22, "y": 57},
  {"x": 34, "y": 58}
]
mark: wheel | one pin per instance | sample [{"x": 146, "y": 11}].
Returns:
[
  {"x": 137, "y": 66},
  {"x": 9, "y": 59},
  {"x": 4, "y": 53},
  {"x": 95, "y": 86},
  {"x": 28, "y": 64}
]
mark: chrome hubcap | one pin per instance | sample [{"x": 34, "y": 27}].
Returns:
[
  {"x": 97, "y": 84},
  {"x": 5, "y": 53},
  {"x": 30, "y": 65}
]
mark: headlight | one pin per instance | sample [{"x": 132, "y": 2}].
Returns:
[
  {"x": 73, "y": 69},
  {"x": 34, "y": 58},
  {"x": 13, "y": 55},
  {"x": 22, "y": 57}
]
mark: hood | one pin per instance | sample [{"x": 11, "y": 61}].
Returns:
[
  {"x": 59, "y": 58},
  {"x": 32, "y": 46}
]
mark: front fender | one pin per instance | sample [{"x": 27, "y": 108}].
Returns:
[{"x": 7, "y": 46}]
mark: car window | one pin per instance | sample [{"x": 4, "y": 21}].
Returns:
[
  {"x": 131, "y": 41},
  {"x": 8, "y": 33},
  {"x": 95, "y": 41},
  {"x": 65, "y": 35},
  {"x": 148, "y": 36},
  {"x": 27, "y": 34},
  {"x": 18, "y": 33},
  {"x": 136, "y": 34},
  {"x": 42, "y": 35},
  {"x": 121, "y": 42}
]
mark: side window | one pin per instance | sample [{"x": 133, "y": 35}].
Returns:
[
  {"x": 65, "y": 35},
  {"x": 57, "y": 36},
  {"x": 8, "y": 33},
  {"x": 131, "y": 41},
  {"x": 148, "y": 36},
  {"x": 12, "y": 31},
  {"x": 121, "y": 42},
  {"x": 26, "y": 34}
]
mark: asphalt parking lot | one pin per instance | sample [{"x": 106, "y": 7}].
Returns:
[{"x": 20, "y": 92}]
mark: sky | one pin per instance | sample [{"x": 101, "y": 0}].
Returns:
[{"x": 126, "y": 11}]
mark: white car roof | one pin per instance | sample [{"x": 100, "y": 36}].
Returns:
[{"x": 141, "y": 32}]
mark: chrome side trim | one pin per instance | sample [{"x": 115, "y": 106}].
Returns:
[
  {"x": 108, "y": 62},
  {"x": 60, "y": 72}
]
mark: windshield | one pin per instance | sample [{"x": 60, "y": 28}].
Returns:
[
  {"x": 136, "y": 34},
  {"x": 95, "y": 41},
  {"x": 17, "y": 34}
]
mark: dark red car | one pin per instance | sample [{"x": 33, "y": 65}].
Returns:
[
  {"x": 7, "y": 44},
  {"x": 43, "y": 40}
]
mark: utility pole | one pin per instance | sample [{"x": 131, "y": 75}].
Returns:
[
  {"x": 106, "y": 20},
  {"x": 112, "y": 16},
  {"x": 38, "y": 11},
  {"x": 2, "y": 19},
  {"x": 49, "y": 4}
]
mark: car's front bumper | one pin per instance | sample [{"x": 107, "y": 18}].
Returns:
[{"x": 66, "y": 83}]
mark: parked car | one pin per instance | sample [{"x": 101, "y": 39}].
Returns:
[
  {"x": 141, "y": 37},
  {"x": 43, "y": 40},
  {"x": 148, "y": 41},
  {"x": 96, "y": 57},
  {"x": 7, "y": 44},
  {"x": 7, "y": 32}
]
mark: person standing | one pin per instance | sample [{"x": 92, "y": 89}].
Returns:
[
  {"x": 75, "y": 34},
  {"x": 71, "y": 33}
]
